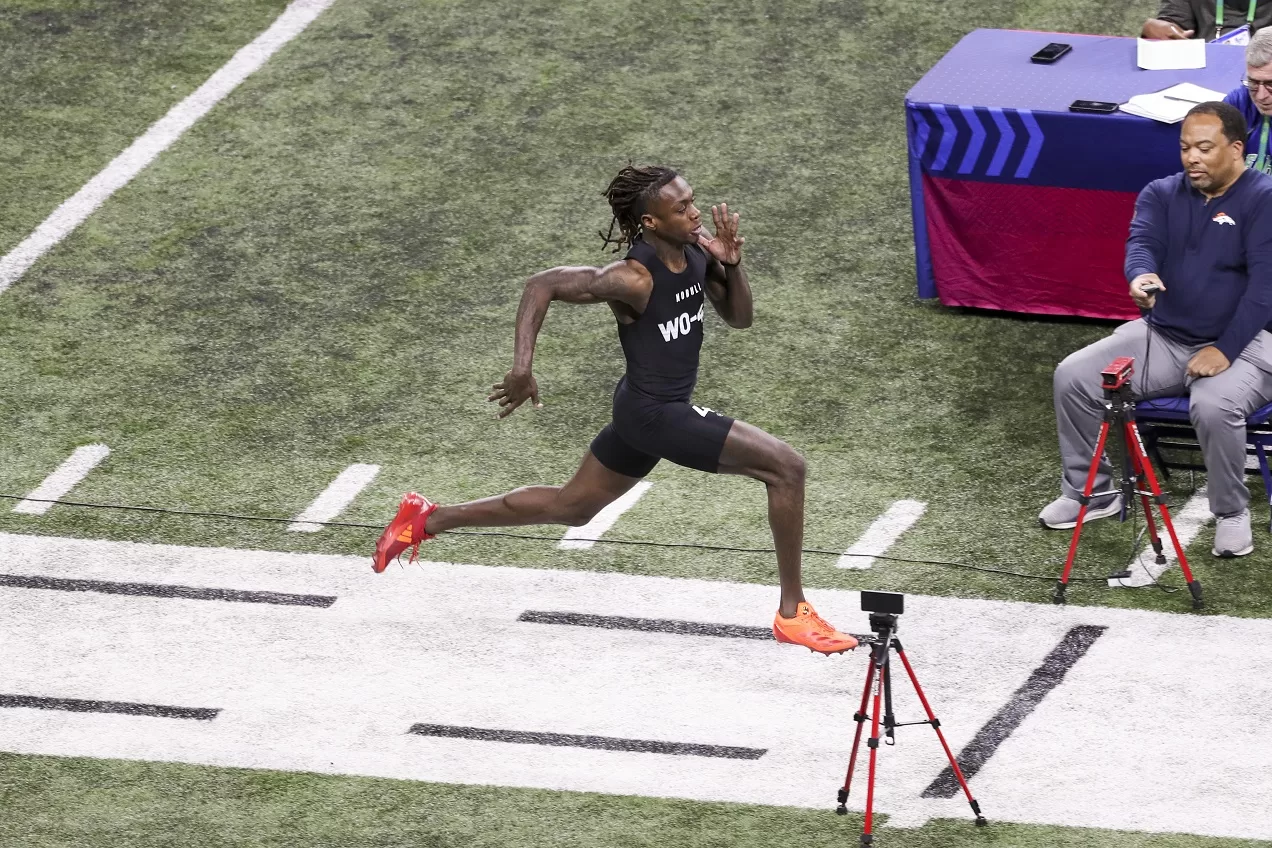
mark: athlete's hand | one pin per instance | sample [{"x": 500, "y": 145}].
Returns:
[
  {"x": 517, "y": 387},
  {"x": 727, "y": 244}
]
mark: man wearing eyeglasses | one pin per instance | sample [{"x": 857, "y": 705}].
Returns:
[
  {"x": 1253, "y": 98},
  {"x": 1208, "y": 19}
]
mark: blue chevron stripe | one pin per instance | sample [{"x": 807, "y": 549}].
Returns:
[
  {"x": 922, "y": 134},
  {"x": 977, "y": 142},
  {"x": 954, "y": 139},
  {"x": 1035, "y": 144},
  {"x": 949, "y": 135},
  {"x": 1006, "y": 137}
]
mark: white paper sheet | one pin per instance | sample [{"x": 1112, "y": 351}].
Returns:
[{"x": 1170, "y": 54}]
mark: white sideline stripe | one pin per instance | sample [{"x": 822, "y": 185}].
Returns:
[
  {"x": 581, "y": 538},
  {"x": 298, "y": 15},
  {"x": 882, "y": 534},
  {"x": 333, "y": 499},
  {"x": 67, "y": 476},
  {"x": 1188, "y": 523}
]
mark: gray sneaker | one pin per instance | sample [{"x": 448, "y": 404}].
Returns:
[
  {"x": 1232, "y": 535},
  {"x": 1062, "y": 513}
]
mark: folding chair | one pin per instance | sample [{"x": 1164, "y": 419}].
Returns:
[{"x": 1164, "y": 425}]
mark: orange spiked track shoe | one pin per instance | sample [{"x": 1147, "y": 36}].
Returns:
[
  {"x": 809, "y": 629},
  {"x": 406, "y": 530}
]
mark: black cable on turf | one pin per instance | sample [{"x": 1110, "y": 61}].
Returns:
[
  {"x": 1137, "y": 536},
  {"x": 1138, "y": 559},
  {"x": 190, "y": 513}
]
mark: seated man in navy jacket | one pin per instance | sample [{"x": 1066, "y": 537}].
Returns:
[
  {"x": 1204, "y": 239},
  {"x": 1253, "y": 99}
]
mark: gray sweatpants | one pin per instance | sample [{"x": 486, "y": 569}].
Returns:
[{"x": 1218, "y": 404}]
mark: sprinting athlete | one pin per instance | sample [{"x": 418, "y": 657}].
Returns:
[{"x": 657, "y": 294}]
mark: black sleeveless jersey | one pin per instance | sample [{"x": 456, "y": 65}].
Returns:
[{"x": 662, "y": 345}]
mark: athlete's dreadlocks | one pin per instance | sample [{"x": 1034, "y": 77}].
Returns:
[{"x": 628, "y": 194}]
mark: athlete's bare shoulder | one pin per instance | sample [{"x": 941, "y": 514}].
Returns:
[
  {"x": 624, "y": 281},
  {"x": 634, "y": 272}
]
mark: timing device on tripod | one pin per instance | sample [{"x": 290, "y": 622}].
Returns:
[
  {"x": 884, "y": 607},
  {"x": 1119, "y": 421}
]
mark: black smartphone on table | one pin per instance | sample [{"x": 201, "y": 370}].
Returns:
[
  {"x": 1099, "y": 107},
  {"x": 1050, "y": 53}
]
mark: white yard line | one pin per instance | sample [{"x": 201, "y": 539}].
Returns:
[
  {"x": 1188, "y": 523},
  {"x": 882, "y": 534},
  {"x": 335, "y": 690},
  {"x": 67, "y": 476},
  {"x": 298, "y": 15},
  {"x": 581, "y": 538},
  {"x": 333, "y": 499}
]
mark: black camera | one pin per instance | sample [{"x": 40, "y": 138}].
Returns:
[
  {"x": 888, "y": 603},
  {"x": 884, "y": 607}
]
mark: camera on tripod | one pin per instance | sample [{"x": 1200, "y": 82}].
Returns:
[
  {"x": 884, "y": 607},
  {"x": 1117, "y": 373},
  {"x": 1119, "y": 427}
]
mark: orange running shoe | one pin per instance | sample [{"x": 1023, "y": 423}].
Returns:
[
  {"x": 809, "y": 629},
  {"x": 406, "y": 530}
]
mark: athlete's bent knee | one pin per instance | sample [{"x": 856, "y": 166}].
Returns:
[
  {"x": 792, "y": 470},
  {"x": 579, "y": 513}
]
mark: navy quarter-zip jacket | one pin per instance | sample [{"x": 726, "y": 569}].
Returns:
[{"x": 1214, "y": 257}]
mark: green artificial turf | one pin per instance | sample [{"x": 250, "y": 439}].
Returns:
[
  {"x": 55, "y": 803},
  {"x": 80, "y": 79}
]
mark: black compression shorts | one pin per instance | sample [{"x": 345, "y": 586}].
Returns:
[{"x": 645, "y": 430}]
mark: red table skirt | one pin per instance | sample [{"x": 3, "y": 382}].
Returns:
[{"x": 1066, "y": 245}]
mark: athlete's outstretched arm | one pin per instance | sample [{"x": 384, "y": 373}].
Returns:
[
  {"x": 727, "y": 285},
  {"x": 621, "y": 282}
]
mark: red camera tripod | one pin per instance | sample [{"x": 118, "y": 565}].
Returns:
[
  {"x": 879, "y": 675},
  {"x": 1119, "y": 418}
]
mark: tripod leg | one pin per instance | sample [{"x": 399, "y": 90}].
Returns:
[
  {"x": 1137, "y": 445},
  {"x": 936, "y": 725},
  {"x": 867, "y": 832},
  {"x": 889, "y": 718},
  {"x": 1063, "y": 582},
  {"x": 1139, "y": 465},
  {"x": 860, "y": 718},
  {"x": 1155, "y": 538}
]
